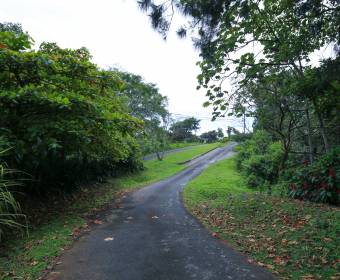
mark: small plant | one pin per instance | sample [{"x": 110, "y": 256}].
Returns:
[
  {"x": 259, "y": 160},
  {"x": 318, "y": 182},
  {"x": 10, "y": 212}
]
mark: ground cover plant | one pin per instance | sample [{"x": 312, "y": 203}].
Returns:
[
  {"x": 53, "y": 226},
  {"x": 291, "y": 238}
]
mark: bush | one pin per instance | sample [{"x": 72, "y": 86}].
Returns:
[
  {"x": 317, "y": 182},
  {"x": 241, "y": 137},
  {"x": 259, "y": 160}
]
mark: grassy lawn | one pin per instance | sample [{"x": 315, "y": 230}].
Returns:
[
  {"x": 182, "y": 145},
  {"x": 293, "y": 239},
  {"x": 28, "y": 257}
]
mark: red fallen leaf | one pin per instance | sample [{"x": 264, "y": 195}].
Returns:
[
  {"x": 75, "y": 231},
  {"x": 3, "y": 46},
  {"x": 215, "y": 234},
  {"x": 279, "y": 261},
  {"x": 97, "y": 222}
]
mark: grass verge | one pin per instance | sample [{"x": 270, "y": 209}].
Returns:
[
  {"x": 183, "y": 145},
  {"x": 293, "y": 239},
  {"x": 57, "y": 224}
]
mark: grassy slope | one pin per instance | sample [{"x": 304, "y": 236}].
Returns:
[
  {"x": 26, "y": 258},
  {"x": 183, "y": 145},
  {"x": 295, "y": 240}
]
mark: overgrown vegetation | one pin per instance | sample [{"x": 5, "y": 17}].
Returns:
[
  {"x": 293, "y": 239},
  {"x": 262, "y": 162}
]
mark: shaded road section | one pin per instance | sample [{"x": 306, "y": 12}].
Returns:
[{"x": 153, "y": 237}]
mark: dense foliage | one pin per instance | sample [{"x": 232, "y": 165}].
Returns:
[
  {"x": 146, "y": 103},
  {"x": 183, "y": 130},
  {"x": 259, "y": 159},
  {"x": 61, "y": 115},
  {"x": 319, "y": 181},
  {"x": 212, "y": 136}
]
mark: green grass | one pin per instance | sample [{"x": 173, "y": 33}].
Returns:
[
  {"x": 28, "y": 257},
  {"x": 215, "y": 184},
  {"x": 293, "y": 239},
  {"x": 178, "y": 145}
]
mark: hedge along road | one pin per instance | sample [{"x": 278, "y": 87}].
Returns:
[{"x": 153, "y": 237}]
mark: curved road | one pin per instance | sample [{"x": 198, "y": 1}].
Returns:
[{"x": 155, "y": 238}]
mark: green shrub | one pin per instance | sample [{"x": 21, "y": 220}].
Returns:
[
  {"x": 259, "y": 160},
  {"x": 317, "y": 182},
  {"x": 263, "y": 170}
]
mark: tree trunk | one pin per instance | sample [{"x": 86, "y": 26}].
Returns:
[
  {"x": 309, "y": 137},
  {"x": 244, "y": 123},
  {"x": 322, "y": 130}
]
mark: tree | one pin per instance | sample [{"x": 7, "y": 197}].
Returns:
[
  {"x": 146, "y": 103},
  {"x": 183, "y": 130},
  {"x": 220, "y": 133},
  {"x": 62, "y": 115},
  {"x": 210, "y": 136}
]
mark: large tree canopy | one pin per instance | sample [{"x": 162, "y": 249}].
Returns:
[
  {"x": 183, "y": 130},
  {"x": 60, "y": 114}
]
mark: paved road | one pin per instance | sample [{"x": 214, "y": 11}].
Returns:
[{"x": 154, "y": 238}]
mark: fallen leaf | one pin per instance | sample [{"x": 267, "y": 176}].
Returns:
[
  {"x": 33, "y": 263},
  {"x": 109, "y": 239},
  {"x": 278, "y": 260},
  {"x": 284, "y": 242},
  {"x": 97, "y": 222},
  {"x": 308, "y": 277},
  {"x": 270, "y": 266}
]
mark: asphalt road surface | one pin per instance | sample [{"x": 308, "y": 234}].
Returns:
[{"x": 153, "y": 237}]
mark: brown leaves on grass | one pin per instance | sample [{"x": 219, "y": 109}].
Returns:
[{"x": 282, "y": 234}]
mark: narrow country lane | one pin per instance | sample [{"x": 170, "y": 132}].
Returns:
[{"x": 155, "y": 238}]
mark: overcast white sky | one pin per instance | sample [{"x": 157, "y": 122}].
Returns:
[{"x": 118, "y": 34}]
